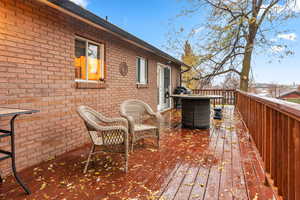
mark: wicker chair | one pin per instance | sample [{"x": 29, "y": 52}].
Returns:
[
  {"x": 109, "y": 133},
  {"x": 143, "y": 122}
]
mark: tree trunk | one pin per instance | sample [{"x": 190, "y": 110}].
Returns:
[{"x": 244, "y": 77}]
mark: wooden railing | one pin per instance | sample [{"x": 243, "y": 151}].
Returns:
[
  {"x": 228, "y": 94},
  {"x": 274, "y": 125}
]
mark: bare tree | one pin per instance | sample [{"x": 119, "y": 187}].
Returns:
[
  {"x": 234, "y": 30},
  {"x": 231, "y": 81}
]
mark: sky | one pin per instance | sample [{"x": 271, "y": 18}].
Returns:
[{"x": 150, "y": 21}]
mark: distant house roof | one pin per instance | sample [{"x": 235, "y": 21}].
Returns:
[
  {"x": 285, "y": 94},
  {"x": 75, "y": 10}
]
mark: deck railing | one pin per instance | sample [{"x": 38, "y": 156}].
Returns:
[
  {"x": 228, "y": 94},
  {"x": 275, "y": 128}
]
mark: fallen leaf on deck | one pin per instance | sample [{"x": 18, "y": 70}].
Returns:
[
  {"x": 189, "y": 184},
  {"x": 43, "y": 186}
]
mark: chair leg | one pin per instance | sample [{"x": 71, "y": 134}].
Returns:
[
  {"x": 157, "y": 135},
  {"x": 132, "y": 142},
  {"x": 89, "y": 158},
  {"x": 126, "y": 156}
]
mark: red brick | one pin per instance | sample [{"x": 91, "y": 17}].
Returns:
[{"x": 36, "y": 71}]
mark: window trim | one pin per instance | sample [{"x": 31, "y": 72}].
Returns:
[
  {"x": 102, "y": 59},
  {"x": 146, "y": 70}
]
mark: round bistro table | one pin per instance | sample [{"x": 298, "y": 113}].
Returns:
[{"x": 195, "y": 110}]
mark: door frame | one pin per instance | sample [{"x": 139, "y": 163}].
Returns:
[{"x": 160, "y": 67}]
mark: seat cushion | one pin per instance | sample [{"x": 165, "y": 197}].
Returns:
[{"x": 143, "y": 127}]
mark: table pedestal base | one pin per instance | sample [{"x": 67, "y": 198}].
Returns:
[{"x": 196, "y": 113}]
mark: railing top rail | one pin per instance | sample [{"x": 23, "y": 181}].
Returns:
[{"x": 280, "y": 105}]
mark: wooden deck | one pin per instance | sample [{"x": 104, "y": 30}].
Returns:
[{"x": 220, "y": 163}]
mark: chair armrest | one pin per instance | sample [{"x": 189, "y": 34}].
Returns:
[
  {"x": 93, "y": 125},
  {"x": 156, "y": 115},
  {"x": 110, "y": 128},
  {"x": 159, "y": 117},
  {"x": 155, "y": 118},
  {"x": 131, "y": 123},
  {"x": 149, "y": 110},
  {"x": 119, "y": 121}
]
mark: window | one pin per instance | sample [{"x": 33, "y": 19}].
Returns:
[
  {"x": 89, "y": 60},
  {"x": 142, "y": 70}
]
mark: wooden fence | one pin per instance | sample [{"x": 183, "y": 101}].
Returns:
[
  {"x": 275, "y": 128},
  {"x": 228, "y": 94}
]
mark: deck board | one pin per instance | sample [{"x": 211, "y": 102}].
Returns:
[
  {"x": 175, "y": 182},
  {"x": 213, "y": 183},
  {"x": 220, "y": 163},
  {"x": 238, "y": 178},
  {"x": 225, "y": 190},
  {"x": 200, "y": 185},
  {"x": 187, "y": 184}
]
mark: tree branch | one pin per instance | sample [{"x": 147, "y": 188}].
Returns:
[
  {"x": 222, "y": 72},
  {"x": 266, "y": 12},
  {"x": 215, "y": 74}
]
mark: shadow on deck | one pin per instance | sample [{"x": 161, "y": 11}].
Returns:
[{"x": 220, "y": 163}]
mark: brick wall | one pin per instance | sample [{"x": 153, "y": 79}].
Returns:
[{"x": 37, "y": 72}]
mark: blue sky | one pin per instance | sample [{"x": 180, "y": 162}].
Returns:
[{"x": 149, "y": 20}]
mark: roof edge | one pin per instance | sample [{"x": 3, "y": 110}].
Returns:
[
  {"x": 77, "y": 11},
  {"x": 289, "y": 92}
]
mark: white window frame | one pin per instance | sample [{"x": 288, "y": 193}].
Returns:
[
  {"x": 146, "y": 70},
  {"x": 101, "y": 48}
]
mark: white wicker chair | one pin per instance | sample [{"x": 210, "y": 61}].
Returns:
[
  {"x": 110, "y": 133},
  {"x": 143, "y": 122}
]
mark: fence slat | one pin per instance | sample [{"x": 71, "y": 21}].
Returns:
[
  {"x": 296, "y": 136},
  {"x": 279, "y": 153},
  {"x": 291, "y": 160},
  {"x": 274, "y": 149},
  {"x": 268, "y": 140},
  {"x": 284, "y": 157}
]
